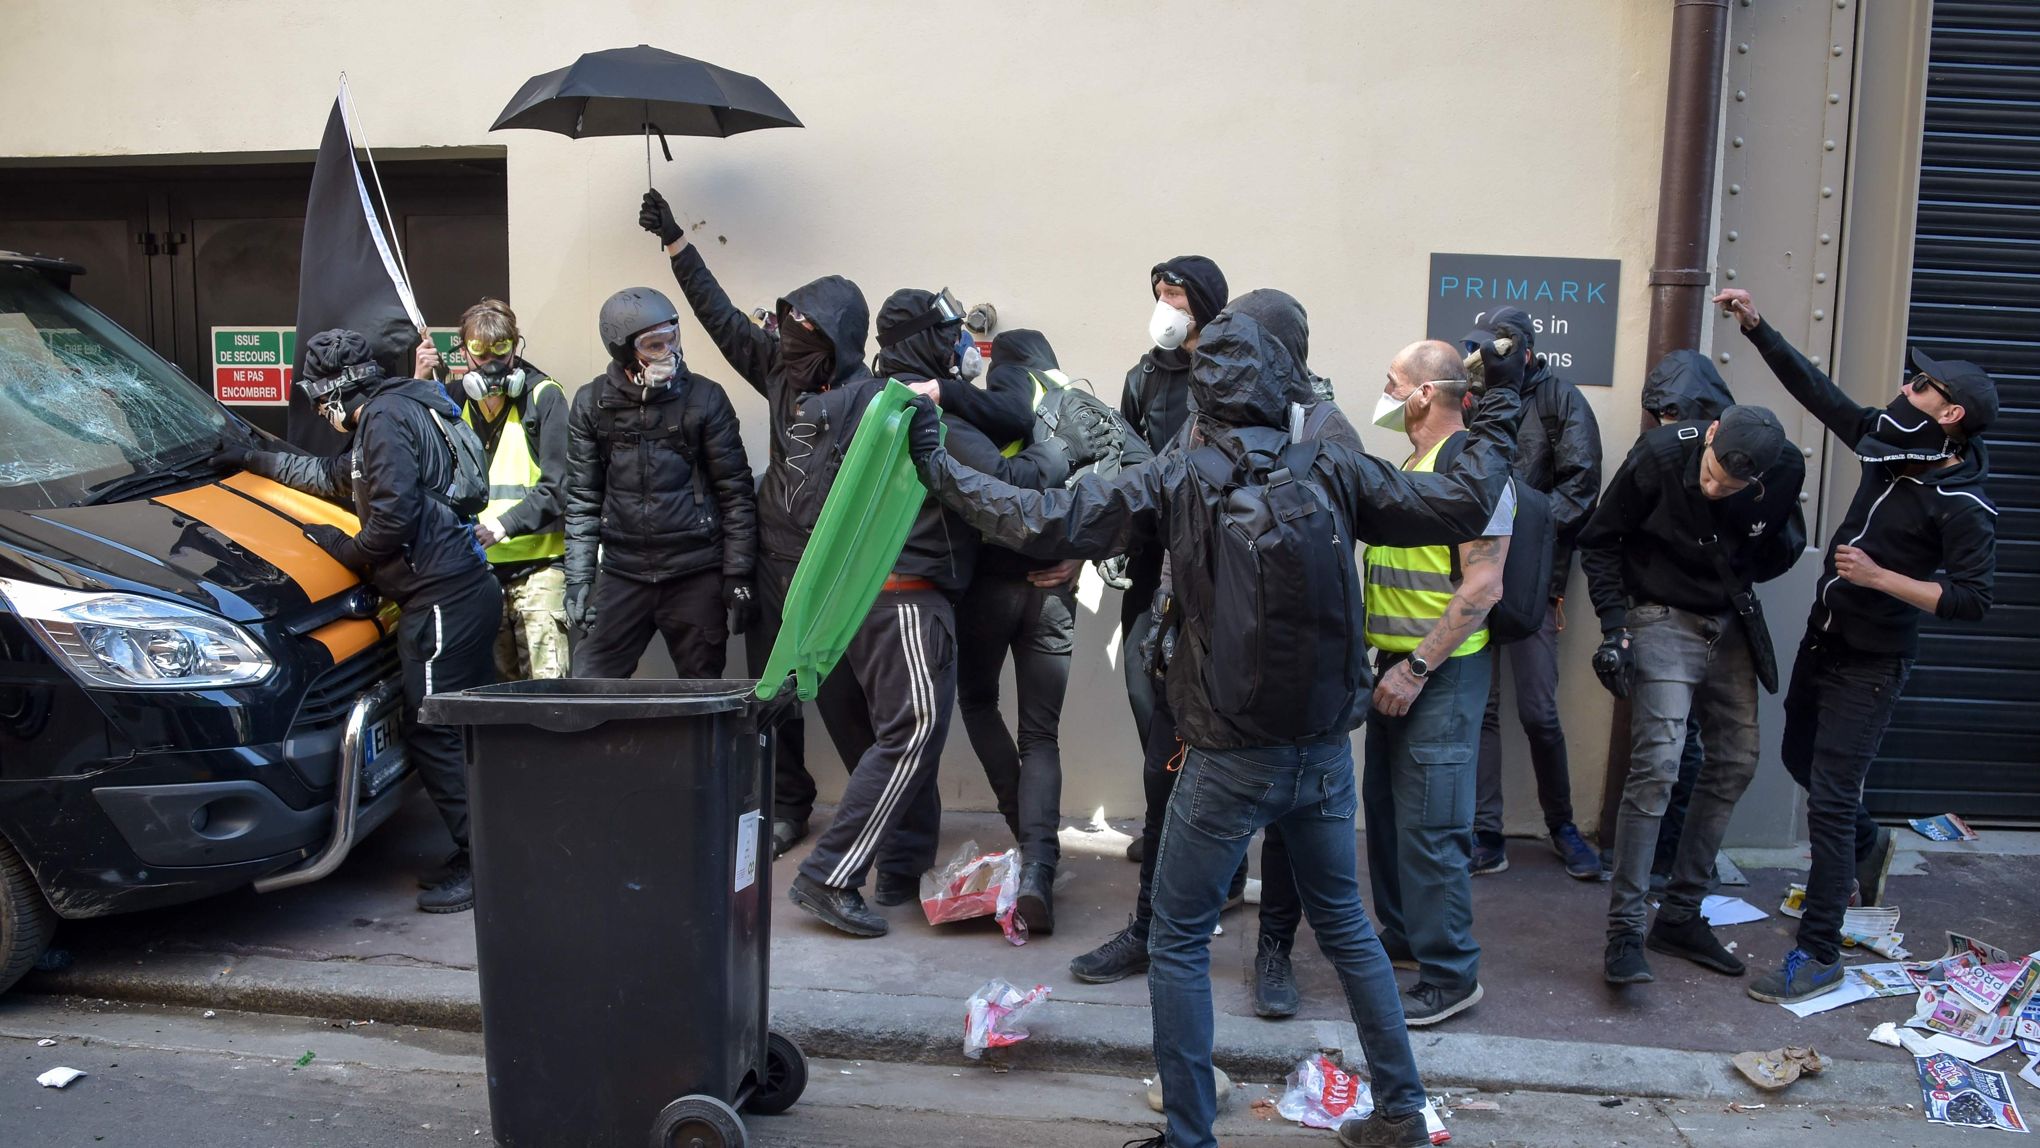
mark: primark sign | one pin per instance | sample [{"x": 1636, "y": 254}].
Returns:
[{"x": 1571, "y": 302}]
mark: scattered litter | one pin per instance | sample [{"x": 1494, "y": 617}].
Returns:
[
  {"x": 1955, "y": 1092},
  {"x": 1887, "y": 1034},
  {"x": 305, "y": 1059},
  {"x": 1432, "y": 1123},
  {"x": 1794, "y": 904},
  {"x": 209, "y": 1014},
  {"x": 1945, "y": 1045},
  {"x": 58, "y": 1077},
  {"x": 1222, "y": 1085},
  {"x": 976, "y": 884},
  {"x": 993, "y": 1014},
  {"x": 1875, "y": 928},
  {"x": 1729, "y": 946},
  {"x": 1720, "y": 911},
  {"x": 1739, "y": 1106},
  {"x": 845, "y": 1071},
  {"x": 1946, "y": 827},
  {"x": 1218, "y": 930},
  {"x": 1320, "y": 1094},
  {"x": 1779, "y": 1067},
  {"x": 1264, "y": 1109},
  {"x": 359, "y": 1023},
  {"x": 2031, "y": 1073},
  {"x": 1613, "y": 1102},
  {"x": 1859, "y": 983},
  {"x": 46, "y": 1042}
]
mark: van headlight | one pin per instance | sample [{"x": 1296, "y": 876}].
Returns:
[{"x": 129, "y": 642}]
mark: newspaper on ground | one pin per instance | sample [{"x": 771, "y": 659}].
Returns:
[
  {"x": 1946, "y": 827},
  {"x": 1859, "y": 983},
  {"x": 1719, "y": 911},
  {"x": 1977, "y": 993},
  {"x": 1875, "y": 927},
  {"x": 1955, "y": 1092}
]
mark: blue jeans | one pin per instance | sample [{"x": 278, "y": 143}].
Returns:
[
  {"x": 1419, "y": 793},
  {"x": 1221, "y": 798}
]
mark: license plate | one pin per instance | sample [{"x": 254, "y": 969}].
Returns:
[{"x": 382, "y": 755}]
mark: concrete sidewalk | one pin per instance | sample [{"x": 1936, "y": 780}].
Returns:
[{"x": 353, "y": 946}]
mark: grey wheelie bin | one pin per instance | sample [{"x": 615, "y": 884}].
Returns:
[{"x": 621, "y": 833}]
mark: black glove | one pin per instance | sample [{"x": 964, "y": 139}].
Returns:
[
  {"x": 1113, "y": 571},
  {"x": 230, "y": 456},
  {"x": 741, "y": 599},
  {"x": 656, "y": 217},
  {"x": 580, "y": 605},
  {"x": 1614, "y": 664},
  {"x": 1158, "y": 645},
  {"x": 924, "y": 437},
  {"x": 1086, "y": 438},
  {"x": 328, "y": 538},
  {"x": 1501, "y": 372}
]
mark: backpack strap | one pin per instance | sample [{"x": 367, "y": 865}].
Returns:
[{"x": 1212, "y": 465}]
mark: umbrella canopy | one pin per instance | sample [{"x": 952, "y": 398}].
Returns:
[{"x": 626, "y": 91}]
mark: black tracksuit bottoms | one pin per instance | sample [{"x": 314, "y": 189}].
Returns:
[
  {"x": 443, "y": 646},
  {"x": 793, "y": 788},
  {"x": 688, "y": 611},
  {"x": 887, "y": 708}
]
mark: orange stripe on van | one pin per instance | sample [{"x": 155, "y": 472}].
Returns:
[
  {"x": 348, "y": 637},
  {"x": 296, "y": 504},
  {"x": 270, "y": 536}
]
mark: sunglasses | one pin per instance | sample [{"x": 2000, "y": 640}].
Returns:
[
  {"x": 497, "y": 349},
  {"x": 1921, "y": 381}
]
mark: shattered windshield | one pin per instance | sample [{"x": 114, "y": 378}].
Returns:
[{"x": 84, "y": 404}]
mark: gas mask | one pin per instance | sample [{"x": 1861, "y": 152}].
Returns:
[
  {"x": 339, "y": 398},
  {"x": 495, "y": 377},
  {"x": 970, "y": 362},
  {"x": 655, "y": 377},
  {"x": 1168, "y": 327}
]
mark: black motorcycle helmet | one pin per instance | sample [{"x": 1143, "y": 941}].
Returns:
[{"x": 628, "y": 314}]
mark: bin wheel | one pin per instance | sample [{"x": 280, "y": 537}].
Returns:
[
  {"x": 698, "y": 1122},
  {"x": 785, "y": 1077}
]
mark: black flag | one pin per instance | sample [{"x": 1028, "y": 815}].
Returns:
[{"x": 348, "y": 278}]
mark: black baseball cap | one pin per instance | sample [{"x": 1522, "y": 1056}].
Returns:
[
  {"x": 1969, "y": 384},
  {"x": 1748, "y": 441},
  {"x": 1511, "y": 321}
]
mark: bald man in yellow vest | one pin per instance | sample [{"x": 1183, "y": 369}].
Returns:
[{"x": 1426, "y": 615}]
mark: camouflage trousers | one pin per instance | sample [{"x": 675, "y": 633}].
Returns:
[{"x": 532, "y": 642}]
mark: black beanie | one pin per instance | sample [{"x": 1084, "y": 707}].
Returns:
[
  {"x": 330, "y": 352},
  {"x": 1202, "y": 281}
]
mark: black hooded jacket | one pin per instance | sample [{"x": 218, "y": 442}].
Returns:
[
  {"x": 1559, "y": 448},
  {"x": 1245, "y": 372},
  {"x": 1932, "y": 523},
  {"x": 662, "y": 488},
  {"x": 411, "y": 546},
  {"x": 1686, "y": 384},
  {"x": 799, "y": 465}
]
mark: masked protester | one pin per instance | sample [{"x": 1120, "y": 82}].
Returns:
[
  {"x": 1696, "y": 516},
  {"x": 1265, "y": 715},
  {"x": 1920, "y": 537},
  {"x": 659, "y": 489},
  {"x": 412, "y": 548},
  {"x": 520, "y": 415}
]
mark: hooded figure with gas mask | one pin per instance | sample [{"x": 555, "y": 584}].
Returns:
[
  {"x": 1920, "y": 537},
  {"x": 658, "y": 487},
  {"x": 412, "y": 548},
  {"x": 520, "y": 415}
]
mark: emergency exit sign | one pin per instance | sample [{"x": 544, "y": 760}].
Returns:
[{"x": 251, "y": 365}]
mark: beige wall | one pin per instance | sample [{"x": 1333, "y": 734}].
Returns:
[{"x": 1037, "y": 156}]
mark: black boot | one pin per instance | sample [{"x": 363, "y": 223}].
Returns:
[
  {"x": 892, "y": 889},
  {"x": 455, "y": 894},
  {"x": 1123, "y": 956},
  {"x": 786, "y": 834},
  {"x": 1275, "y": 994},
  {"x": 1036, "y": 904},
  {"x": 842, "y": 909}
]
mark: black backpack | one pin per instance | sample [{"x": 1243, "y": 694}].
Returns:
[
  {"x": 1285, "y": 659},
  {"x": 467, "y": 494},
  {"x": 1526, "y": 572}
]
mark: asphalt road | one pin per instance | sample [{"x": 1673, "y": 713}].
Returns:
[{"x": 161, "y": 1077}]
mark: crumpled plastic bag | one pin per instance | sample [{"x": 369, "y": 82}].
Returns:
[
  {"x": 1320, "y": 1094},
  {"x": 993, "y": 1014},
  {"x": 976, "y": 884}
]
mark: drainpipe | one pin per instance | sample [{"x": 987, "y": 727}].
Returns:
[{"x": 1679, "y": 273}]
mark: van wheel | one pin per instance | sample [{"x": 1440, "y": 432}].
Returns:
[{"x": 26, "y": 920}]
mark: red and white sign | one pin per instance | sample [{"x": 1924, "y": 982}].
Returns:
[{"x": 262, "y": 386}]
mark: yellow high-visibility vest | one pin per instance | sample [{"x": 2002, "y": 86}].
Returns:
[
  {"x": 1409, "y": 587},
  {"x": 512, "y": 474}
]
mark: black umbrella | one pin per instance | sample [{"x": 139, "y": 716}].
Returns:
[{"x": 628, "y": 91}]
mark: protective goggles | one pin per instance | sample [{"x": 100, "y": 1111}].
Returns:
[
  {"x": 1921, "y": 381},
  {"x": 319, "y": 390},
  {"x": 658, "y": 342},
  {"x": 476, "y": 348},
  {"x": 946, "y": 308}
]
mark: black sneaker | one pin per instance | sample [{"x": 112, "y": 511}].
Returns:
[
  {"x": 1489, "y": 856},
  {"x": 1623, "y": 961},
  {"x": 1125, "y": 955},
  {"x": 786, "y": 834},
  {"x": 1582, "y": 863},
  {"x": 1036, "y": 900},
  {"x": 1874, "y": 870},
  {"x": 1381, "y": 1130},
  {"x": 1429, "y": 1004},
  {"x": 1136, "y": 850},
  {"x": 842, "y": 909},
  {"x": 1275, "y": 995},
  {"x": 438, "y": 874},
  {"x": 456, "y": 894},
  {"x": 1693, "y": 940},
  {"x": 892, "y": 889}
]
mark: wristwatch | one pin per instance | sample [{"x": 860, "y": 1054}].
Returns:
[{"x": 1419, "y": 668}]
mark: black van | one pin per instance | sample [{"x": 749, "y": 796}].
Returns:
[{"x": 193, "y": 697}]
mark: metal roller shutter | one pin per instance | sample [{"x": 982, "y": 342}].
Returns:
[{"x": 1966, "y": 736}]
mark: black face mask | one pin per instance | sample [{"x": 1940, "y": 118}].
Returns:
[
  {"x": 1904, "y": 433},
  {"x": 806, "y": 356}
]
